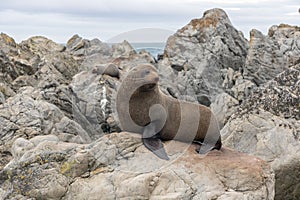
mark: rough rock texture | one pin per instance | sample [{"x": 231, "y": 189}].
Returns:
[
  {"x": 224, "y": 107},
  {"x": 268, "y": 122},
  {"x": 36, "y": 94},
  {"x": 57, "y": 108},
  {"x": 267, "y": 125},
  {"x": 270, "y": 55},
  {"x": 210, "y": 62},
  {"x": 202, "y": 52},
  {"x": 117, "y": 166},
  {"x": 280, "y": 96}
]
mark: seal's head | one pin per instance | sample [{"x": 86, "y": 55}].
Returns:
[{"x": 145, "y": 77}]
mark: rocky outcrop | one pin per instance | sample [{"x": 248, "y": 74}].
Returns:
[
  {"x": 55, "y": 111},
  {"x": 210, "y": 58},
  {"x": 267, "y": 125},
  {"x": 58, "y": 126},
  {"x": 258, "y": 95},
  {"x": 82, "y": 48},
  {"x": 18, "y": 62},
  {"x": 272, "y": 54},
  {"x": 280, "y": 96},
  {"x": 202, "y": 52},
  {"x": 117, "y": 166}
]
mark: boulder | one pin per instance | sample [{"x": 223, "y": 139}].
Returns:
[
  {"x": 41, "y": 46},
  {"x": 118, "y": 166},
  {"x": 93, "y": 98},
  {"x": 272, "y": 54},
  {"x": 24, "y": 115},
  {"x": 15, "y": 61},
  {"x": 80, "y": 47},
  {"x": 267, "y": 125},
  {"x": 200, "y": 52},
  {"x": 122, "y": 49}
]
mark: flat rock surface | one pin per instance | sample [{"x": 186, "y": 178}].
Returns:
[{"x": 118, "y": 166}]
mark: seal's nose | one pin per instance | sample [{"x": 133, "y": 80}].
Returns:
[{"x": 155, "y": 76}]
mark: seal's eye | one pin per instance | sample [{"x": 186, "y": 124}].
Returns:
[{"x": 146, "y": 72}]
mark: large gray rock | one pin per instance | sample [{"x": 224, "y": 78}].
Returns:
[
  {"x": 201, "y": 51},
  {"x": 37, "y": 62},
  {"x": 90, "y": 53},
  {"x": 118, "y": 166},
  {"x": 15, "y": 61},
  {"x": 93, "y": 97},
  {"x": 267, "y": 125},
  {"x": 270, "y": 55},
  {"x": 80, "y": 47},
  {"x": 56, "y": 66},
  {"x": 280, "y": 96},
  {"x": 24, "y": 115},
  {"x": 122, "y": 49}
]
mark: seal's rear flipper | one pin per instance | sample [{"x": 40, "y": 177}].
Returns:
[
  {"x": 156, "y": 146},
  {"x": 205, "y": 148}
]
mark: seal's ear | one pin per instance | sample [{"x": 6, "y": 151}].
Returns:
[{"x": 152, "y": 142}]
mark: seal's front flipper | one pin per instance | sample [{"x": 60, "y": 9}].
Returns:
[
  {"x": 152, "y": 141},
  {"x": 156, "y": 146}
]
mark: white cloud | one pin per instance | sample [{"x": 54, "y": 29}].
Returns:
[
  {"x": 59, "y": 20},
  {"x": 293, "y": 14}
]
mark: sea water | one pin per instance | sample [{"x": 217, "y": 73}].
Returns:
[{"x": 153, "y": 48}]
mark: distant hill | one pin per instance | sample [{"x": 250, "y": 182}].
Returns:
[{"x": 144, "y": 35}]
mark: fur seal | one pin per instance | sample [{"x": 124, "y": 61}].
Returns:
[{"x": 143, "y": 108}]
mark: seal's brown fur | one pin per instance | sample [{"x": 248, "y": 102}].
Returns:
[{"x": 185, "y": 121}]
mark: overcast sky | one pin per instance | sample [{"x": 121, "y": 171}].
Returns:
[{"x": 60, "y": 19}]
